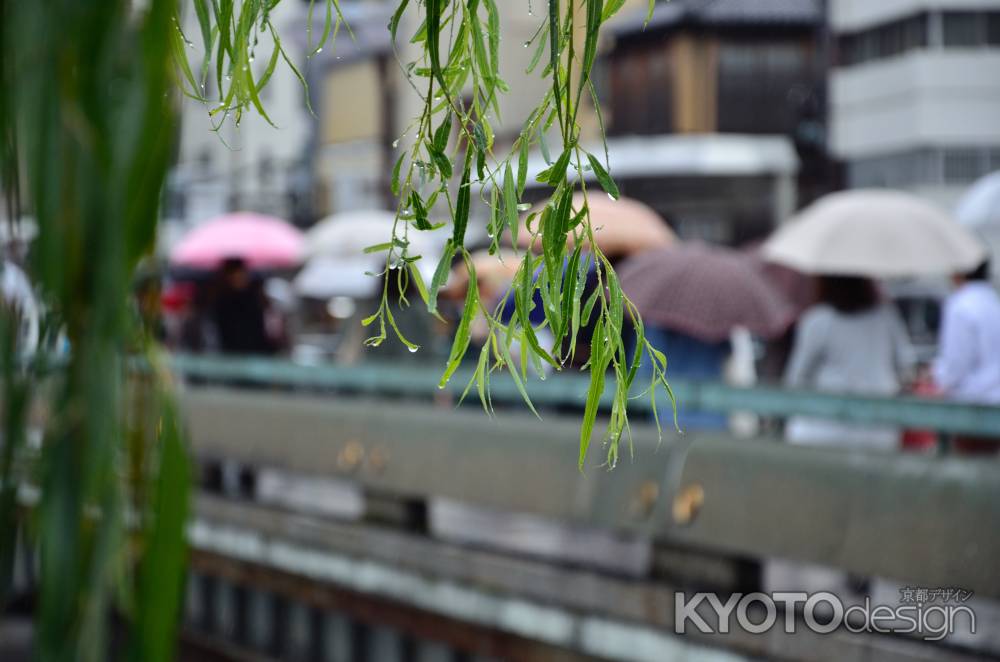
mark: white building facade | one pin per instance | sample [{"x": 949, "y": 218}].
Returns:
[
  {"x": 915, "y": 93},
  {"x": 252, "y": 167}
]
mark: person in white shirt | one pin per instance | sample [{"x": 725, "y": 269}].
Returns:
[{"x": 968, "y": 363}]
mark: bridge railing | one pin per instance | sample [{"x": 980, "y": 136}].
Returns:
[
  {"x": 711, "y": 508},
  {"x": 847, "y": 509},
  {"x": 569, "y": 390}
]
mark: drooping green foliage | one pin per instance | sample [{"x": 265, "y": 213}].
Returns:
[
  {"x": 230, "y": 32},
  {"x": 452, "y": 163},
  {"x": 88, "y": 119}
]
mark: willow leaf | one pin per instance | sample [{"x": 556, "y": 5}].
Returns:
[
  {"x": 510, "y": 201},
  {"x": 462, "y": 334},
  {"x": 599, "y": 358},
  {"x": 463, "y": 204},
  {"x": 432, "y": 24},
  {"x": 204, "y": 23},
  {"x": 440, "y": 275},
  {"x": 612, "y": 8},
  {"x": 291, "y": 65},
  {"x": 379, "y": 248},
  {"x": 539, "y": 49},
  {"x": 557, "y": 173},
  {"x": 396, "y": 17},
  {"x": 522, "y": 165},
  {"x": 394, "y": 182},
  {"x": 420, "y": 219},
  {"x": 595, "y": 9},
  {"x": 269, "y": 69},
  {"x": 516, "y": 376},
  {"x": 603, "y": 178},
  {"x": 387, "y": 315}
]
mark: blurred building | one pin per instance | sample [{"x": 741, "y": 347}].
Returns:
[
  {"x": 753, "y": 70},
  {"x": 366, "y": 101},
  {"x": 257, "y": 167},
  {"x": 915, "y": 93},
  {"x": 353, "y": 95}
]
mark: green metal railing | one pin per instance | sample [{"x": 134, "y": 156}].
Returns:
[{"x": 569, "y": 391}]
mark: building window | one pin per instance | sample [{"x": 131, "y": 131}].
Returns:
[
  {"x": 958, "y": 30},
  {"x": 993, "y": 29},
  {"x": 763, "y": 87},
  {"x": 884, "y": 41},
  {"x": 963, "y": 29},
  {"x": 940, "y": 166},
  {"x": 961, "y": 166},
  {"x": 265, "y": 168},
  {"x": 205, "y": 161},
  {"x": 642, "y": 92}
]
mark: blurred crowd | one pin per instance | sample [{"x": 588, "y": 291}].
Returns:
[
  {"x": 870, "y": 293},
  {"x": 867, "y": 292}
]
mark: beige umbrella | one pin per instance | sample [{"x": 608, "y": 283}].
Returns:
[
  {"x": 621, "y": 227},
  {"x": 494, "y": 273},
  {"x": 876, "y": 233}
]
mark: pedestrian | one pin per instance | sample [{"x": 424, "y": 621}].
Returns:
[
  {"x": 239, "y": 311},
  {"x": 850, "y": 342},
  {"x": 968, "y": 363}
]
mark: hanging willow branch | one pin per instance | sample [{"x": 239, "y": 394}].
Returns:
[
  {"x": 427, "y": 174},
  {"x": 460, "y": 52}
]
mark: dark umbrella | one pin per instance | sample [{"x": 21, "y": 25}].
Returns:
[{"x": 704, "y": 292}]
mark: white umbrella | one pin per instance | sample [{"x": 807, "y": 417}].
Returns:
[
  {"x": 979, "y": 208},
  {"x": 349, "y": 233},
  {"x": 338, "y": 264},
  {"x": 326, "y": 277},
  {"x": 875, "y": 233}
]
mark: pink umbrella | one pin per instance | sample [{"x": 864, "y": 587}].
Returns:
[{"x": 264, "y": 242}]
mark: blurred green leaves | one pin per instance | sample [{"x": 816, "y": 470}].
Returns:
[{"x": 89, "y": 99}]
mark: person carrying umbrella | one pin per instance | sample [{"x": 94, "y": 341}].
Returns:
[
  {"x": 853, "y": 341},
  {"x": 238, "y": 311},
  {"x": 692, "y": 298}
]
